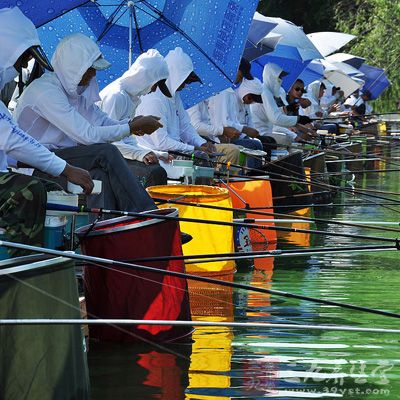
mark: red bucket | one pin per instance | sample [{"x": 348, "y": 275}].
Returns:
[{"x": 121, "y": 293}]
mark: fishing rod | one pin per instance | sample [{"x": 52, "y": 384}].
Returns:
[
  {"x": 60, "y": 207},
  {"x": 293, "y": 180},
  {"x": 267, "y": 214},
  {"x": 324, "y": 205},
  {"x": 197, "y": 323},
  {"x": 296, "y": 254},
  {"x": 105, "y": 261},
  {"x": 351, "y": 191},
  {"x": 217, "y": 257},
  {"x": 100, "y": 211},
  {"x": 388, "y": 160},
  {"x": 361, "y": 171}
]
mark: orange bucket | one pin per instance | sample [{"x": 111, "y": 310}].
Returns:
[{"x": 256, "y": 193}]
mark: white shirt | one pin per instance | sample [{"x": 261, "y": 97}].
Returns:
[
  {"x": 58, "y": 112},
  {"x": 177, "y": 132},
  {"x": 18, "y": 33},
  {"x": 200, "y": 119},
  {"x": 17, "y": 144}
]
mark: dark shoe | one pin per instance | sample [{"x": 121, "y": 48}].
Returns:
[{"x": 185, "y": 237}]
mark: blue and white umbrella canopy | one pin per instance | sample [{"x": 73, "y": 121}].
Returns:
[
  {"x": 293, "y": 52},
  {"x": 329, "y": 42},
  {"x": 375, "y": 79},
  {"x": 354, "y": 61},
  {"x": 212, "y": 33}
]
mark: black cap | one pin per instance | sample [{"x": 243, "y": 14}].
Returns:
[
  {"x": 39, "y": 55},
  {"x": 193, "y": 77},
  {"x": 163, "y": 88}
]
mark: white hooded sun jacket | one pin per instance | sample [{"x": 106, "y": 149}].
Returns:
[
  {"x": 17, "y": 33},
  {"x": 177, "y": 132},
  {"x": 58, "y": 112},
  {"x": 268, "y": 114},
  {"x": 120, "y": 98}
]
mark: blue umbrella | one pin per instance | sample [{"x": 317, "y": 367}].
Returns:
[
  {"x": 313, "y": 72},
  {"x": 255, "y": 47},
  {"x": 212, "y": 34},
  {"x": 288, "y": 58},
  {"x": 375, "y": 79},
  {"x": 293, "y": 52},
  {"x": 41, "y": 12}
]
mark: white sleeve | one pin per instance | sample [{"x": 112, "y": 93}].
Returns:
[
  {"x": 65, "y": 117},
  {"x": 223, "y": 111},
  {"x": 22, "y": 147},
  {"x": 130, "y": 149},
  {"x": 187, "y": 131},
  {"x": 286, "y": 131},
  {"x": 203, "y": 128},
  {"x": 274, "y": 114},
  {"x": 159, "y": 140},
  {"x": 115, "y": 106}
]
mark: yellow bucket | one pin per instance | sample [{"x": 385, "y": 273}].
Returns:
[{"x": 207, "y": 239}]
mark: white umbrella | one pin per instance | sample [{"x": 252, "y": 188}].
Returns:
[
  {"x": 342, "y": 66},
  {"x": 292, "y": 35},
  {"x": 340, "y": 79},
  {"x": 266, "y": 45},
  {"x": 350, "y": 59},
  {"x": 329, "y": 42}
]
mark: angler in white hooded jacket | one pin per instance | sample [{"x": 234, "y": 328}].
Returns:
[
  {"x": 120, "y": 99},
  {"x": 177, "y": 132},
  {"x": 59, "y": 110},
  {"x": 227, "y": 110},
  {"x": 269, "y": 112},
  {"x": 22, "y": 198}
]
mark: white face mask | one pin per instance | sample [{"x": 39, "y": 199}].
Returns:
[{"x": 7, "y": 75}]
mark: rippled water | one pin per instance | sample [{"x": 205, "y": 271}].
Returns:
[{"x": 256, "y": 363}]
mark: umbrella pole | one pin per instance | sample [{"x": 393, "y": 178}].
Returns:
[{"x": 130, "y": 5}]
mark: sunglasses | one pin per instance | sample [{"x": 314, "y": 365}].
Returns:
[{"x": 299, "y": 89}]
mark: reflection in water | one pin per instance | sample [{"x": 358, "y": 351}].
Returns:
[
  {"x": 297, "y": 238},
  {"x": 254, "y": 363},
  {"x": 210, "y": 362}
]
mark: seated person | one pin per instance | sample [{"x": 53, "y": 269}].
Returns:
[
  {"x": 361, "y": 106},
  {"x": 200, "y": 119},
  {"x": 226, "y": 109},
  {"x": 295, "y": 98},
  {"x": 269, "y": 115},
  {"x": 59, "y": 110},
  {"x": 120, "y": 99},
  {"x": 23, "y": 198},
  {"x": 177, "y": 133}
]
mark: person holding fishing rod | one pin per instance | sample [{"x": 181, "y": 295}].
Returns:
[
  {"x": 269, "y": 115},
  {"x": 226, "y": 110},
  {"x": 59, "y": 110},
  {"x": 177, "y": 133},
  {"x": 23, "y": 198}
]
